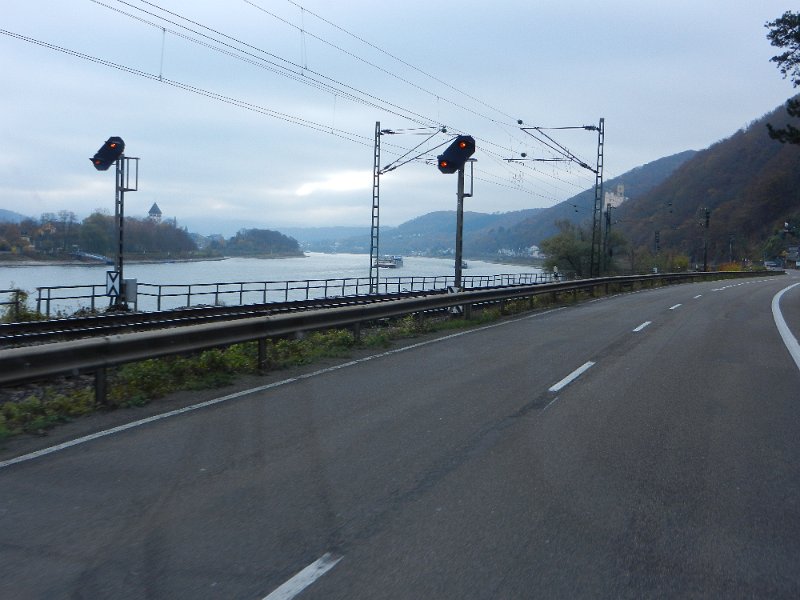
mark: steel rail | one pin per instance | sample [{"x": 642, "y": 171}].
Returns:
[{"x": 106, "y": 324}]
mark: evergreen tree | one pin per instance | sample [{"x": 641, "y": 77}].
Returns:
[{"x": 785, "y": 33}]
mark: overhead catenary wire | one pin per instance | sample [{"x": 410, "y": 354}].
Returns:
[
  {"x": 362, "y": 59},
  {"x": 235, "y": 48},
  {"x": 400, "y": 60},
  {"x": 396, "y": 163},
  {"x": 350, "y": 136},
  {"x": 556, "y": 146},
  {"x": 325, "y": 85},
  {"x": 301, "y": 74}
]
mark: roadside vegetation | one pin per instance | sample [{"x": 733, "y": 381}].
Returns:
[{"x": 34, "y": 409}]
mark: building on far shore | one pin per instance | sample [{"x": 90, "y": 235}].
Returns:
[
  {"x": 155, "y": 213},
  {"x": 615, "y": 198}
]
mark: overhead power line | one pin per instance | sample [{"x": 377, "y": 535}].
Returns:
[
  {"x": 320, "y": 81},
  {"x": 232, "y": 47},
  {"x": 350, "y": 136},
  {"x": 261, "y": 58},
  {"x": 401, "y": 61}
]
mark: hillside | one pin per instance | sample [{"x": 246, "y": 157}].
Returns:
[
  {"x": 749, "y": 183},
  {"x": 434, "y": 233},
  {"x": 488, "y": 234},
  {"x": 578, "y": 209},
  {"x": 429, "y": 234},
  {"x": 9, "y": 216}
]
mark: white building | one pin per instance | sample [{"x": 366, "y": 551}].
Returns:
[{"x": 615, "y": 198}]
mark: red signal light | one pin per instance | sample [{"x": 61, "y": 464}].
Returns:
[
  {"x": 454, "y": 157},
  {"x": 109, "y": 153}
]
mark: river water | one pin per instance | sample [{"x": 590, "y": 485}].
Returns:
[{"x": 316, "y": 266}]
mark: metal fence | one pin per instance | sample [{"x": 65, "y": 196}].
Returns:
[
  {"x": 151, "y": 297},
  {"x": 11, "y": 302}
]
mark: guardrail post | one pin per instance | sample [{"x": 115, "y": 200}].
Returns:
[
  {"x": 357, "y": 332},
  {"x": 101, "y": 387},
  {"x": 17, "y": 294},
  {"x": 263, "y": 359}
]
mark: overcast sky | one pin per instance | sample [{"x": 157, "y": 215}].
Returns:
[{"x": 261, "y": 113}]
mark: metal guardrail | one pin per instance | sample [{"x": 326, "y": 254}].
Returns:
[
  {"x": 31, "y": 363},
  {"x": 156, "y": 297}
]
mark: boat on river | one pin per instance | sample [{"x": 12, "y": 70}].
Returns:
[{"x": 390, "y": 262}]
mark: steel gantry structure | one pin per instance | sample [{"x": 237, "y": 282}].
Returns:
[{"x": 596, "y": 260}]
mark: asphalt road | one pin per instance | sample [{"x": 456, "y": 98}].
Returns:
[{"x": 644, "y": 445}]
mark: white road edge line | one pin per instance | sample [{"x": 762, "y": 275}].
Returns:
[
  {"x": 304, "y": 578},
  {"x": 786, "y": 334},
  {"x": 571, "y": 377},
  {"x": 260, "y": 388},
  {"x": 642, "y": 326},
  {"x": 676, "y": 306}
]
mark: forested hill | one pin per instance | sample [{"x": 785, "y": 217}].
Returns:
[
  {"x": 749, "y": 182},
  {"x": 435, "y": 232},
  {"x": 578, "y": 209}
]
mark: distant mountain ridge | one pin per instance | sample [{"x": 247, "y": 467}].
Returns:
[
  {"x": 750, "y": 185},
  {"x": 9, "y": 216},
  {"x": 579, "y": 208},
  {"x": 489, "y": 234}
]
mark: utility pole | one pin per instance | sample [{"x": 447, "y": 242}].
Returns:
[
  {"x": 119, "y": 222},
  {"x": 459, "y": 228},
  {"x": 608, "y": 252},
  {"x": 374, "y": 246},
  {"x": 596, "y": 260},
  {"x": 123, "y": 185},
  {"x": 705, "y": 239},
  {"x": 730, "y": 247},
  {"x": 460, "y": 223},
  {"x": 596, "y": 254},
  {"x": 376, "y": 199}
]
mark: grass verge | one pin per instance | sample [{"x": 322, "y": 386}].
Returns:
[{"x": 34, "y": 409}]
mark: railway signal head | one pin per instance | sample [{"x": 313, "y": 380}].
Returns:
[
  {"x": 108, "y": 154},
  {"x": 456, "y": 154}
]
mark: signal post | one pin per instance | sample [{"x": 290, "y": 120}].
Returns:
[
  {"x": 112, "y": 153},
  {"x": 453, "y": 160}
]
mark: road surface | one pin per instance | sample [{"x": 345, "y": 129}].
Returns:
[{"x": 643, "y": 445}]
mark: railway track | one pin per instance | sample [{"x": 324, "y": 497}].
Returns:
[{"x": 40, "y": 332}]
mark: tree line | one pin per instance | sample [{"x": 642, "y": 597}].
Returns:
[{"x": 62, "y": 236}]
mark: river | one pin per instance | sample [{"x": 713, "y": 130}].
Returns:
[{"x": 314, "y": 265}]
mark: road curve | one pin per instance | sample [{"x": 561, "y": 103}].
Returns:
[{"x": 643, "y": 445}]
